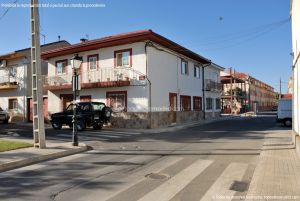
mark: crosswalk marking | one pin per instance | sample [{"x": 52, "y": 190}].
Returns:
[
  {"x": 171, "y": 187},
  {"x": 132, "y": 179},
  {"x": 234, "y": 172}
]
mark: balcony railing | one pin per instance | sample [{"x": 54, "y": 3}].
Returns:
[
  {"x": 106, "y": 76},
  {"x": 8, "y": 82},
  {"x": 211, "y": 85}
]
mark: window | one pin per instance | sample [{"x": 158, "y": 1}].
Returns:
[
  {"x": 218, "y": 104},
  {"x": 117, "y": 101},
  {"x": 123, "y": 58},
  {"x": 185, "y": 103},
  {"x": 209, "y": 104},
  {"x": 184, "y": 67},
  {"x": 196, "y": 71},
  {"x": 92, "y": 62},
  {"x": 13, "y": 104},
  {"x": 197, "y": 103},
  {"x": 61, "y": 67}
]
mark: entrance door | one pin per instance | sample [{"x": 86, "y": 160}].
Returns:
[
  {"x": 173, "y": 106},
  {"x": 66, "y": 100}
]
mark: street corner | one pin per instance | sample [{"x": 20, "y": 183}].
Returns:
[{"x": 27, "y": 156}]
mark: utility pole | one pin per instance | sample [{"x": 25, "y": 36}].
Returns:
[
  {"x": 37, "y": 90},
  {"x": 280, "y": 88}
]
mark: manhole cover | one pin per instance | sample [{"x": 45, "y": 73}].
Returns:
[
  {"x": 239, "y": 186},
  {"x": 157, "y": 176}
]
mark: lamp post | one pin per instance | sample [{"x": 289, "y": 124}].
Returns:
[{"x": 76, "y": 62}]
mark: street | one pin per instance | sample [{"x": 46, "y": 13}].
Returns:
[{"x": 196, "y": 163}]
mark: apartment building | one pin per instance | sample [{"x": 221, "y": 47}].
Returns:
[
  {"x": 242, "y": 93},
  {"x": 15, "y": 84},
  {"x": 147, "y": 79},
  {"x": 295, "y": 17}
]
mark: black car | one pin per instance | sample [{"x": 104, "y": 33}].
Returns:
[{"x": 93, "y": 114}]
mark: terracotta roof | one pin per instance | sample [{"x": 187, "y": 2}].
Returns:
[{"x": 121, "y": 39}]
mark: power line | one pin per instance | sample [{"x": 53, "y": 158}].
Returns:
[{"x": 7, "y": 10}]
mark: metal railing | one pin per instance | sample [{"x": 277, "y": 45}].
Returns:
[
  {"x": 211, "y": 85},
  {"x": 107, "y": 74},
  {"x": 7, "y": 79}
]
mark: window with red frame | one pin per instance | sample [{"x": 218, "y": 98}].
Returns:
[
  {"x": 93, "y": 62},
  {"x": 123, "y": 58},
  {"x": 197, "y": 103},
  {"x": 185, "y": 103},
  {"x": 117, "y": 101},
  {"x": 61, "y": 67}
]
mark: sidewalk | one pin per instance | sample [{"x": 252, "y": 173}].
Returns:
[
  {"x": 277, "y": 173},
  {"x": 22, "y": 157}
]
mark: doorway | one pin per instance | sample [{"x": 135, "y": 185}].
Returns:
[{"x": 173, "y": 107}]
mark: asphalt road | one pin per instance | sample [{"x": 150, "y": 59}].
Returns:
[{"x": 197, "y": 163}]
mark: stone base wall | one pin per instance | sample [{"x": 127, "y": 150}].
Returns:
[
  {"x": 141, "y": 120},
  {"x": 211, "y": 115}
]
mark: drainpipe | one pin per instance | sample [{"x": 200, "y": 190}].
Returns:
[
  {"x": 203, "y": 89},
  {"x": 148, "y": 43}
]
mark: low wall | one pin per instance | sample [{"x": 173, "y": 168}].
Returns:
[{"x": 158, "y": 119}]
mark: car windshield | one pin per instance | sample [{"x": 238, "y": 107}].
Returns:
[
  {"x": 70, "y": 107},
  {"x": 98, "y": 106}
]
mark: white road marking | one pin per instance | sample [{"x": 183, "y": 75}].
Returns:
[
  {"x": 129, "y": 181},
  {"x": 171, "y": 187},
  {"x": 234, "y": 172}
]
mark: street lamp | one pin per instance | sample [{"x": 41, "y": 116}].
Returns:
[{"x": 76, "y": 62}]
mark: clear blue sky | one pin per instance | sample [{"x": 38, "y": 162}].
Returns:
[{"x": 243, "y": 34}]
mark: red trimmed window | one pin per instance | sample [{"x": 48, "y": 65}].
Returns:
[
  {"x": 184, "y": 67},
  {"x": 117, "y": 100},
  {"x": 197, "y": 103},
  {"x": 123, "y": 58},
  {"x": 61, "y": 67},
  {"x": 92, "y": 62},
  {"x": 196, "y": 71},
  {"x": 185, "y": 103}
]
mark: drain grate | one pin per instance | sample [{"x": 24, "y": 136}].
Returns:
[
  {"x": 157, "y": 176},
  {"x": 239, "y": 186}
]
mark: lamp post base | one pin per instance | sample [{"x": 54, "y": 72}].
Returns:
[{"x": 75, "y": 144}]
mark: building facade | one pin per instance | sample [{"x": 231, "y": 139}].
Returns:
[
  {"x": 148, "y": 80},
  {"x": 295, "y": 16},
  {"x": 15, "y": 84},
  {"x": 242, "y": 93}
]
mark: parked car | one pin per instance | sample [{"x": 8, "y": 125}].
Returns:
[
  {"x": 284, "y": 112},
  {"x": 4, "y": 116},
  {"x": 93, "y": 114}
]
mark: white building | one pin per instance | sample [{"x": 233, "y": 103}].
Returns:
[
  {"x": 148, "y": 80},
  {"x": 15, "y": 84},
  {"x": 295, "y": 16}
]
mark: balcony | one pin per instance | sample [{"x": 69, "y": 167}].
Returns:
[
  {"x": 101, "y": 78},
  {"x": 211, "y": 85},
  {"x": 7, "y": 82}
]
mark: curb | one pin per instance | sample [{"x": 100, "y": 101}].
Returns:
[{"x": 37, "y": 159}]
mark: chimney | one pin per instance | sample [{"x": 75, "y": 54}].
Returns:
[
  {"x": 58, "y": 38},
  {"x": 83, "y": 40}
]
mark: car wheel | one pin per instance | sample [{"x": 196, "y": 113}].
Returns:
[
  {"x": 80, "y": 125},
  {"x": 288, "y": 122},
  {"x": 98, "y": 126},
  {"x": 56, "y": 124}
]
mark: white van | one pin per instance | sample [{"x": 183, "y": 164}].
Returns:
[{"x": 284, "y": 112}]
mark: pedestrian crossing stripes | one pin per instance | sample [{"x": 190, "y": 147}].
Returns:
[
  {"x": 170, "y": 188},
  {"x": 121, "y": 175}
]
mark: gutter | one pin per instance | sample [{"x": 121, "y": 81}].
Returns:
[{"x": 148, "y": 43}]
